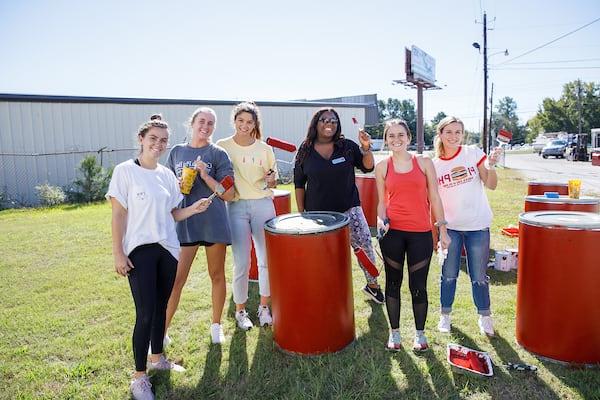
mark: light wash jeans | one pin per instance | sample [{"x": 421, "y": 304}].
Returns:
[
  {"x": 247, "y": 219},
  {"x": 477, "y": 246}
]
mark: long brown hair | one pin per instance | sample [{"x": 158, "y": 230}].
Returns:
[{"x": 251, "y": 108}]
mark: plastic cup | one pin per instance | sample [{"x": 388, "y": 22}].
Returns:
[
  {"x": 188, "y": 176},
  {"x": 574, "y": 188}
]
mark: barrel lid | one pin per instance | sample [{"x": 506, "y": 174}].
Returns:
[
  {"x": 279, "y": 192},
  {"x": 548, "y": 183},
  {"x": 561, "y": 219},
  {"x": 307, "y": 223},
  {"x": 562, "y": 199}
]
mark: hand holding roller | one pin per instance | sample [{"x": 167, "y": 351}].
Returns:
[{"x": 221, "y": 187}]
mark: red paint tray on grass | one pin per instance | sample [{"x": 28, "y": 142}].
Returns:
[
  {"x": 465, "y": 360},
  {"x": 511, "y": 231}
]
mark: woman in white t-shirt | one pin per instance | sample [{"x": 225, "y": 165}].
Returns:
[
  {"x": 463, "y": 173},
  {"x": 144, "y": 196}
]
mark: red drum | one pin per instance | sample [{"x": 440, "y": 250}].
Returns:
[
  {"x": 557, "y": 285},
  {"x": 367, "y": 192},
  {"x": 283, "y": 205},
  {"x": 534, "y": 187},
  {"x": 562, "y": 203},
  {"x": 311, "y": 282}
]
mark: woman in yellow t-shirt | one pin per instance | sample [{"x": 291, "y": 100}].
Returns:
[{"x": 255, "y": 174}]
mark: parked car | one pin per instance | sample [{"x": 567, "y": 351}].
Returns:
[{"x": 555, "y": 148}]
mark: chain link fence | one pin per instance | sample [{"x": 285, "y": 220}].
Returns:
[{"x": 20, "y": 173}]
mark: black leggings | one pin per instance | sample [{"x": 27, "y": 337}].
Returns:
[
  {"x": 151, "y": 282},
  {"x": 418, "y": 247}
]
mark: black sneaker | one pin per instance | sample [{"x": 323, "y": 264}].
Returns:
[{"x": 374, "y": 293}]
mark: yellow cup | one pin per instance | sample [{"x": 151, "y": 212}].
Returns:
[
  {"x": 574, "y": 188},
  {"x": 188, "y": 176}
]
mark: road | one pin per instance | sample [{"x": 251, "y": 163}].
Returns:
[{"x": 535, "y": 167}]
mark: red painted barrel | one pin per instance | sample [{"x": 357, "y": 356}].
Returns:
[
  {"x": 562, "y": 203},
  {"x": 535, "y": 187},
  {"x": 311, "y": 282},
  {"x": 557, "y": 285},
  {"x": 283, "y": 205},
  {"x": 367, "y": 192}
]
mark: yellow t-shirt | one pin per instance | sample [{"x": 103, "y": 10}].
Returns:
[{"x": 250, "y": 163}]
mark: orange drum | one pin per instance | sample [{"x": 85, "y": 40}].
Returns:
[
  {"x": 311, "y": 282},
  {"x": 534, "y": 187},
  {"x": 283, "y": 205},
  {"x": 367, "y": 192},
  {"x": 557, "y": 285},
  {"x": 562, "y": 203}
]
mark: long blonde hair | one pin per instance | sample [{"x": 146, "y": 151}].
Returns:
[{"x": 437, "y": 143}]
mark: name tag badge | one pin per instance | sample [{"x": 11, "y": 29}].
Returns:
[{"x": 338, "y": 160}]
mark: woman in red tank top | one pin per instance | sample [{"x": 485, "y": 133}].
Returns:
[{"x": 407, "y": 190}]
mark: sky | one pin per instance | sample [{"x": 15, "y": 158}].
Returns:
[{"x": 278, "y": 50}]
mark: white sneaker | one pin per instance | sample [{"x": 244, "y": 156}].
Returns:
[
  {"x": 394, "y": 341},
  {"x": 444, "y": 325},
  {"x": 420, "y": 342},
  {"x": 166, "y": 342},
  {"x": 243, "y": 321},
  {"x": 264, "y": 316},
  {"x": 141, "y": 388},
  {"x": 486, "y": 325},
  {"x": 163, "y": 365},
  {"x": 216, "y": 333}
]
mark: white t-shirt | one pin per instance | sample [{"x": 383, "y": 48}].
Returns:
[
  {"x": 149, "y": 196},
  {"x": 466, "y": 206}
]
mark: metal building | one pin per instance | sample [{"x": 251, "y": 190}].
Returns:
[{"x": 44, "y": 138}]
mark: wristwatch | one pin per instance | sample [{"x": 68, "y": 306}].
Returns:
[
  {"x": 363, "y": 151},
  {"x": 440, "y": 223}
]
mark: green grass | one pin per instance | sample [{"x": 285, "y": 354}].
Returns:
[{"x": 66, "y": 320}]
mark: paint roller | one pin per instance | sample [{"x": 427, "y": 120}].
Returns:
[
  {"x": 221, "y": 187},
  {"x": 281, "y": 144},
  {"x": 504, "y": 137},
  {"x": 366, "y": 262}
]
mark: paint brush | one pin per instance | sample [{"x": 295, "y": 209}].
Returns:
[{"x": 221, "y": 187}]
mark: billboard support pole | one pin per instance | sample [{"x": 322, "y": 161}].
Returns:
[{"x": 420, "y": 133}]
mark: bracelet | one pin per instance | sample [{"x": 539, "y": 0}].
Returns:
[
  {"x": 363, "y": 151},
  {"x": 440, "y": 223}
]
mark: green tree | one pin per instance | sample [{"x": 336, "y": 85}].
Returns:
[
  {"x": 394, "y": 108},
  {"x": 431, "y": 128},
  {"x": 92, "y": 183},
  {"x": 577, "y": 99},
  {"x": 505, "y": 117}
]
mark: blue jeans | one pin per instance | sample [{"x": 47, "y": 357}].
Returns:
[
  {"x": 247, "y": 219},
  {"x": 477, "y": 246}
]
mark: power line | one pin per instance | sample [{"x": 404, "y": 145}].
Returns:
[
  {"x": 555, "y": 62},
  {"x": 550, "y": 42},
  {"x": 541, "y": 68}
]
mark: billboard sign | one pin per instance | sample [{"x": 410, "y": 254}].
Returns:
[{"x": 422, "y": 66}]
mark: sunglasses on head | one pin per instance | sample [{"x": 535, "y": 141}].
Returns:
[{"x": 328, "y": 120}]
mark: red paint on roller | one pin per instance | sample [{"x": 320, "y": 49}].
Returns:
[
  {"x": 361, "y": 255},
  {"x": 281, "y": 144},
  {"x": 354, "y": 121},
  {"x": 227, "y": 182},
  {"x": 504, "y": 136}
]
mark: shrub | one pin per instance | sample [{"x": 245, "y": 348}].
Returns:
[
  {"x": 50, "y": 195},
  {"x": 93, "y": 183}
]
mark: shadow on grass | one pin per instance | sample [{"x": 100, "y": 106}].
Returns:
[
  {"x": 503, "y": 384},
  {"x": 577, "y": 377}
]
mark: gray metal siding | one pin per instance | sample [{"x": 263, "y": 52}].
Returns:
[{"x": 31, "y": 132}]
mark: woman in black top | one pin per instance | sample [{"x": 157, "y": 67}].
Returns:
[{"x": 324, "y": 180}]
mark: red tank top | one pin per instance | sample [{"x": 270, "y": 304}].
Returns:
[{"x": 406, "y": 199}]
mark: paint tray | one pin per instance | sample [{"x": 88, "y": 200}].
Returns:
[
  {"x": 468, "y": 361},
  {"x": 510, "y": 231}
]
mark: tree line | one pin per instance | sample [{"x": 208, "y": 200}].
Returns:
[{"x": 579, "y": 104}]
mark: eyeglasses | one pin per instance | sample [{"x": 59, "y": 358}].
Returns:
[{"x": 328, "y": 120}]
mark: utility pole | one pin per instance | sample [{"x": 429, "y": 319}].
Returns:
[
  {"x": 579, "y": 105},
  {"x": 484, "y": 134},
  {"x": 491, "y": 112}
]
